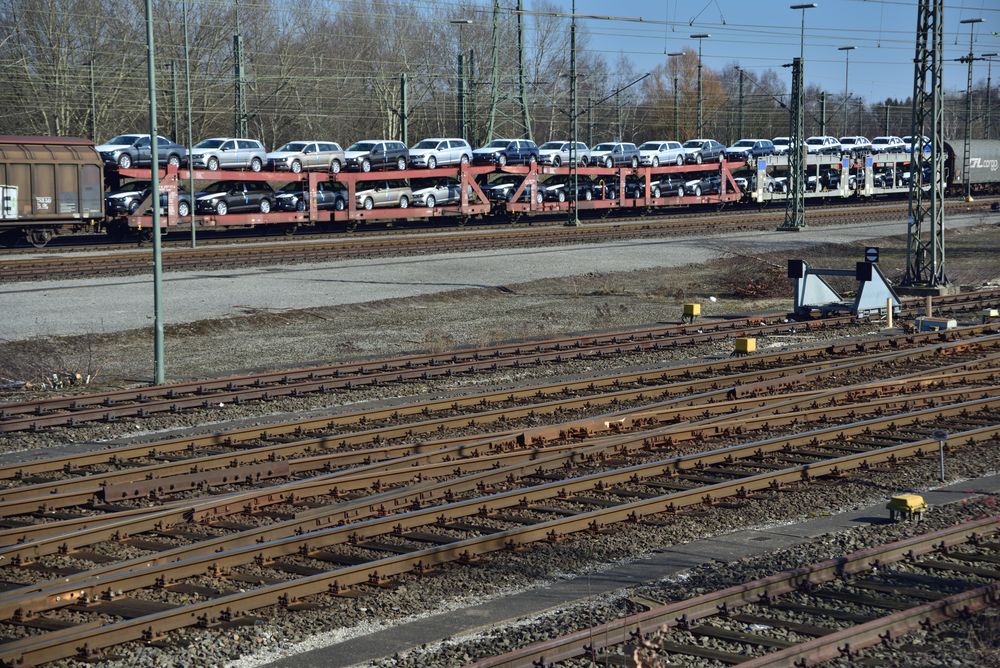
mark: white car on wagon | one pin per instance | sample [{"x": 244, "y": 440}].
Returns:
[
  {"x": 438, "y": 151},
  {"x": 661, "y": 152}
]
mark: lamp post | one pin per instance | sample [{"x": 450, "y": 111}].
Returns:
[
  {"x": 802, "y": 32},
  {"x": 701, "y": 37},
  {"x": 968, "y": 110},
  {"x": 461, "y": 23},
  {"x": 154, "y": 189},
  {"x": 988, "y": 57},
  {"x": 795, "y": 214},
  {"x": 677, "y": 112},
  {"x": 847, "y": 68}
]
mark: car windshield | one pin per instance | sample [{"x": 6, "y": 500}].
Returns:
[
  {"x": 882, "y": 140},
  {"x": 123, "y": 139},
  {"x": 427, "y": 143},
  {"x": 507, "y": 179},
  {"x": 812, "y": 141},
  {"x": 650, "y": 146},
  {"x": 848, "y": 140},
  {"x": 362, "y": 146},
  {"x": 693, "y": 144},
  {"x": 292, "y": 147},
  {"x": 604, "y": 147},
  {"x": 293, "y": 187},
  {"x": 218, "y": 187},
  {"x": 209, "y": 143},
  {"x": 419, "y": 184},
  {"x": 130, "y": 187},
  {"x": 782, "y": 140},
  {"x": 551, "y": 146},
  {"x": 744, "y": 142},
  {"x": 498, "y": 143}
]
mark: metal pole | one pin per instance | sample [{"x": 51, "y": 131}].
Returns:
[
  {"x": 590, "y": 121},
  {"x": 522, "y": 94},
  {"x": 93, "y": 105},
  {"x": 966, "y": 150},
  {"x": 574, "y": 216},
  {"x": 740, "y": 133},
  {"x": 989, "y": 99},
  {"x": 241, "y": 99},
  {"x": 795, "y": 218},
  {"x": 190, "y": 121},
  {"x": 472, "y": 91},
  {"x": 461, "y": 95},
  {"x": 699, "y": 123},
  {"x": 404, "y": 130},
  {"x": 822, "y": 114},
  {"x": 677, "y": 112},
  {"x": 495, "y": 73},
  {"x": 158, "y": 372},
  {"x": 886, "y": 131},
  {"x": 942, "y": 439},
  {"x": 847, "y": 95},
  {"x": 175, "y": 122}
]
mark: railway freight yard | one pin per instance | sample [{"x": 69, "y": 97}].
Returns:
[{"x": 472, "y": 400}]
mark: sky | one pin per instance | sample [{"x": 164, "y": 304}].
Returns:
[{"x": 764, "y": 34}]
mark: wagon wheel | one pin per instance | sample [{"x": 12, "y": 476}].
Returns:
[
  {"x": 288, "y": 229},
  {"x": 351, "y": 225},
  {"x": 39, "y": 237}
]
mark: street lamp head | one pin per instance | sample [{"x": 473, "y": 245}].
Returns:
[
  {"x": 804, "y": 5},
  {"x": 989, "y": 55},
  {"x": 681, "y": 53},
  {"x": 700, "y": 35},
  {"x": 971, "y": 21},
  {"x": 846, "y": 48},
  {"x": 461, "y": 21}
]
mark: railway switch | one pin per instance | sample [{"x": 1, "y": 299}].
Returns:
[
  {"x": 906, "y": 507},
  {"x": 691, "y": 311}
]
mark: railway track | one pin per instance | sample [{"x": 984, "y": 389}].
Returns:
[
  {"x": 129, "y": 603},
  {"x": 807, "y": 615},
  {"x": 84, "y": 572},
  {"x": 480, "y": 238},
  {"x": 109, "y": 501},
  {"x": 107, "y": 406}
]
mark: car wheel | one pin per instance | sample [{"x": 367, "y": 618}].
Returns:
[
  {"x": 656, "y": 192},
  {"x": 697, "y": 191},
  {"x": 174, "y": 160},
  {"x": 588, "y": 195},
  {"x": 265, "y": 205},
  {"x": 366, "y": 165},
  {"x": 221, "y": 208},
  {"x": 608, "y": 163},
  {"x": 133, "y": 206},
  {"x": 680, "y": 160},
  {"x": 335, "y": 166},
  {"x": 656, "y": 162},
  {"x": 339, "y": 204},
  {"x": 562, "y": 196},
  {"x": 300, "y": 205},
  {"x": 502, "y": 160},
  {"x": 612, "y": 194},
  {"x": 401, "y": 164},
  {"x": 404, "y": 202},
  {"x": 296, "y": 167},
  {"x": 183, "y": 209},
  {"x": 635, "y": 162},
  {"x": 213, "y": 164},
  {"x": 430, "y": 202},
  {"x": 698, "y": 159},
  {"x": 770, "y": 187},
  {"x": 256, "y": 165},
  {"x": 432, "y": 162},
  {"x": 369, "y": 203},
  {"x": 465, "y": 161},
  {"x": 125, "y": 161},
  {"x": 584, "y": 161},
  {"x": 538, "y": 198}
]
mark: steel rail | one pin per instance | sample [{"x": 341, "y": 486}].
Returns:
[
  {"x": 81, "y": 408},
  {"x": 258, "y": 544},
  {"x": 643, "y": 624},
  {"x": 89, "y": 638},
  {"x": 40, "y": 497},
  {"x": 24, "y": 546}
]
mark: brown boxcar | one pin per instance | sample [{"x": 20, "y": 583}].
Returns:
[{"x": 50, "y": 185}]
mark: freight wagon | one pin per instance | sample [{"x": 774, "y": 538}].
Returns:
[{"x": 50, "y": 185}]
